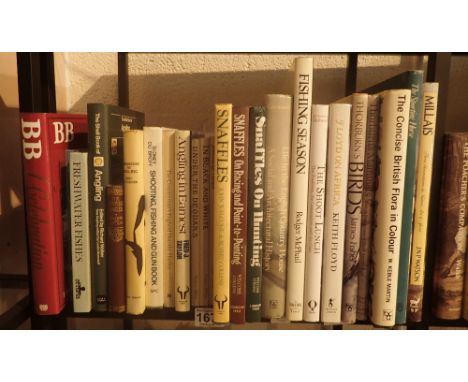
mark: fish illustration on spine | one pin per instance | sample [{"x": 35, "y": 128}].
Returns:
[{"x": 136, "y": 248}]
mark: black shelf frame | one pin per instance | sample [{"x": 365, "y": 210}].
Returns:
[{"x": 36, "y": 83}]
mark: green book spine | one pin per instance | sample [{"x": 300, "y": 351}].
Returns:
[
  {"x": 256, "y": 176},
  {"x": 106, "y": 125},
  {"x": 415, "y": 83},
  {"x": 98, "y": 178}
]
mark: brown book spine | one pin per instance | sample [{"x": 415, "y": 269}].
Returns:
[
  {"x": 116, "y": 247},
  {"x": 239, "y": 213},
  {"x": 449, "y": 267}
]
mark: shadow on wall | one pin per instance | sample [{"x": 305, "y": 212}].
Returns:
[{"x": 185, "y": 100}]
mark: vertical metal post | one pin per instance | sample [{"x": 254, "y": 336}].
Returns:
[
  {"x": 122, "y": 73},
  {"x": 438, "y": 71},
  {"x": 36, "y": 88},
  {"x": 351, "y": 73}
]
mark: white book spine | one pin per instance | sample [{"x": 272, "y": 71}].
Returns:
[
  {"x": 299, "y": 186},
  {"x": 335, "y": 211},
  {"x": 357, "y": 152},
  {"x": 168, "y": 224},
  {"x": 316, "y": 213},
  {"x": 182, "y": 220},
  {"x": 79, "y": 215},
  {"x": 394, "y": 113},
  {"x": 154, "y": 210}
]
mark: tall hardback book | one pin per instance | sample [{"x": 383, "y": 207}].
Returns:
[
  {"x": 154, "y": 215},
  {"x": 239, "y": 197},
  {"x": 357, "y": 150},
  {"x": 412, "y": 80},
  {"x": 391, "y": 157},
  {"x": 79, "y": 227},
  {"x": 134, "y": 191},
  {"x": 449, "y": 264},
  {"x": 255, "y": 211},
  {"x": 335, "y": 211},
  {"x": 421, "y": 205},
  {"x": 299, "y": 186},
  {"x": 182, "y": 219},
  {"x": 45, "y": 139},
  {"x": 106, "y": 126},
  {"x": 208, "y": 210},
  {"x": 168, "y": 226},
  {"x": 222, "y": 211},
  {"x": 367, "y": 211},
  {"x": 316, "y": 213},
  {"x": 196, "y": 220},
  {"x": 277, "y": 162}
]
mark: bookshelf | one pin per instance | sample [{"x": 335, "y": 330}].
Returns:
[{"x": 36, "y": 83}]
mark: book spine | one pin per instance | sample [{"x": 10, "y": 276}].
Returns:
[
  {"x": 98, "y": 174},
  {"x": 449, "y": 268},
  {"x": 182, "y": 220},
  {"x": 240, "y": 145},
  {"x": 196, "y": 217},
  {"x": 79, "y": 223},
  {"x": 335, "y": 207},
  {"x": 368, "y": 193},
  {"x": 115, "y": 244},
  {"x": 49, "y": 296},
  {"x": 421, "y": 212},
  {"x": 168, "y": 225},
  {"x": 354, "y": 207},
  {"x": 134, "y": 220},
  {"x": 299, "y": 186},
  {"x": 416, "y": 83},
  {"x": 222, "y": 212},
  {"x": 277, "y": 158},
  {"x": 205, "y": 229},
  {"x": 256, "y": 193},
  {"x": 316, "y": 213},
  {"x": 154, "y": 210},
  {"x": 394, "y": 113}
]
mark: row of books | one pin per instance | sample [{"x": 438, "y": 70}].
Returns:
[{"x": 308, "y": 212}]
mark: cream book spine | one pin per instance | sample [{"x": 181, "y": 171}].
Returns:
[
  {"x": 278, "y": 154},
  {"x": 316, "y": 213},
  {"x": 154, "y": 216},
  {"x": 79, "y": 223},
  {"x": 222, "y": 212},
  {"x": 182, "y": 220},
  {"x": 134, "y": 197},
  {"x": 299, "y": 187},
  {"x": 168, "y": 227},
  {"x": 394, "y": 117},
  {"x": 357, "y": 151},
  {"x": 335, "y": 211}
]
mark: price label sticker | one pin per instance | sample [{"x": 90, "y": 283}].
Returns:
[{"x": 204, "y": 317}]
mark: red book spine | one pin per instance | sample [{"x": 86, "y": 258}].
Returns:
[
  {"x": 239, "y": 213},
  {"x": 45, "y": 138}
]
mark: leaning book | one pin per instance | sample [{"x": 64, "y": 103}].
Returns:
[{"x": 394, "y": 116}]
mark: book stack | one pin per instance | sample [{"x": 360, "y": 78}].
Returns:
[{"x": 289, "y": 210}]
